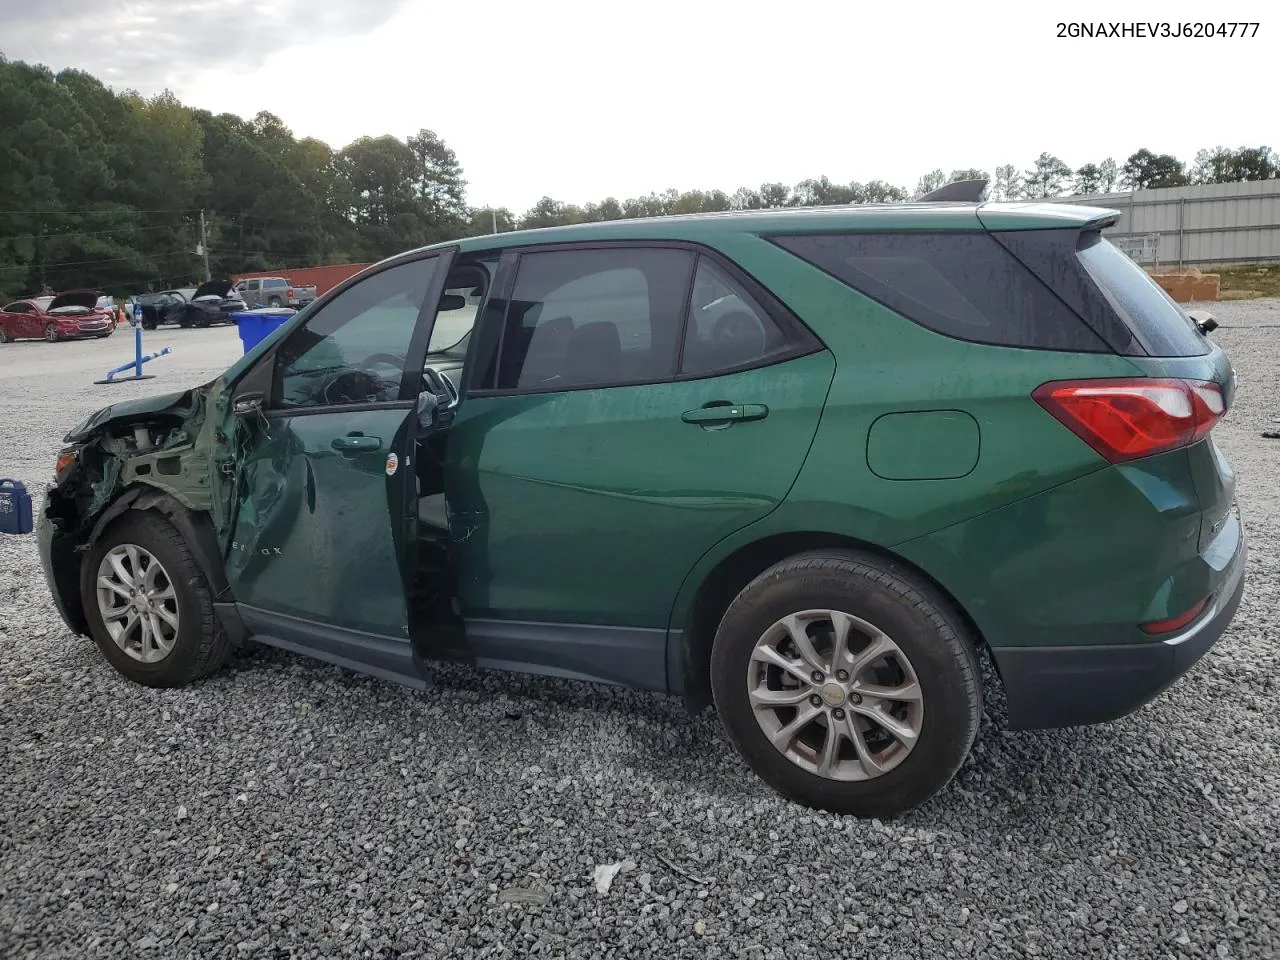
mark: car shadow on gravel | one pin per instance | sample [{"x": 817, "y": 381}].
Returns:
[{"x": 1031, "y": 784}]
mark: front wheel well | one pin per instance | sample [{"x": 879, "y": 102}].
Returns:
[{"x": 719, "y": 588}]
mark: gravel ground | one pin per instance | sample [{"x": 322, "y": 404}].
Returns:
[{"x": 285, "y": 808}]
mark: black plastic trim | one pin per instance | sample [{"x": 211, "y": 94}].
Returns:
[
  {"x": 1050, "y": 687},
  {"x": 388, "y": 658},
  {"x": 415, "y": 358},
  {"x": 1070, "y": 282},
  {"x": 288, "y": 413},
  {"x": 626, "y": 656}
]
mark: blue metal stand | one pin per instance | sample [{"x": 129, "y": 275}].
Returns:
[{"x": 138, "y": 359}]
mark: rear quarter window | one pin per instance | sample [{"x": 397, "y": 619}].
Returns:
[
  {"x": 1141, "y": 303},
  {"x": 962, "y": 285}
]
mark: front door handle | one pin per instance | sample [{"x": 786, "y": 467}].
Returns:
[
  {"x": 356, "y": 443},
  {"x": 723, "y": 412}
]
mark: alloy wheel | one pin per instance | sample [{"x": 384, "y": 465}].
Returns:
[
  {"x": 138, "y": 603},
  {"x": 51, "y": 333},
  {"x": 835, "y": 695}
]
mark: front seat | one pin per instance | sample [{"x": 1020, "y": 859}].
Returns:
[
  {"x": 594, "y": 354},
  {"x": 737, "y": 338}
]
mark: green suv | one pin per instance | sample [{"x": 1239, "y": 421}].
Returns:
[{"x": 803, "y": 465}]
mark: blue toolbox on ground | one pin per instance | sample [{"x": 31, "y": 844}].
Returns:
[{"x": 15, "y": 507}]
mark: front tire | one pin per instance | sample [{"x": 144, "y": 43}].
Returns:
[
  {"x": 51, "y": 333},
  {"x": 4, "y": 335},
  {"x": 148, "y": 605},
  {"x": 847, "y": 684}
]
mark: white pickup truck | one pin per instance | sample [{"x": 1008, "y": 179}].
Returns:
[{"x": 274, "y": 292}]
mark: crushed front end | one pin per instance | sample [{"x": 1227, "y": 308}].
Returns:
[{"x": 167, "y": 453}]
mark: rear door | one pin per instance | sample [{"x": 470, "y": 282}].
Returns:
[
  {"x": 31, "y": 321},
  {"x": 603, "y": 445},
  {"x": 324, "y": 494}
]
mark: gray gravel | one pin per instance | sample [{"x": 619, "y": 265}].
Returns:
[{"x": 285, "y": 808}]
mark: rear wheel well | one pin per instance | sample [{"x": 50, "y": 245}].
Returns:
[{"x": 735, "y": 571}]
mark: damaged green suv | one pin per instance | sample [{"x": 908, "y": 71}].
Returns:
[{"x": 801, "y": 464}]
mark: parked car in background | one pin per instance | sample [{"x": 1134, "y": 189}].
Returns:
[
  {"x": 210, "y": 303},
  {"x": 73, "y": 315},
  {"x": 159, "y": 308},
  {"x": 802, "y": 465},
  {"x": 274, "y": 292}
]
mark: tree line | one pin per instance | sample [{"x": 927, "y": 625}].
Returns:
[{"x": 109, "y": 190}]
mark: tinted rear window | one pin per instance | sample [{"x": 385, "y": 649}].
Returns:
[
  {"x": 963, "y": 285},
  {"x": 1141, "y": 302}
]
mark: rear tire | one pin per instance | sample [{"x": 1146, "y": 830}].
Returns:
[
  {"x": 274, "y": 301},
  {"x": 4, "y": 335},
  {"x": 767, "y": 687},
  {"x": 148, "y": 605}
]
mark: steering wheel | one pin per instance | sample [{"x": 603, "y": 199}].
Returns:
[
  {"x": 388, "y": 358},
  {"x": 351, "y": 386}
]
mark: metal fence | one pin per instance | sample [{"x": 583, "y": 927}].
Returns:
[{"x": 1208, "y": 225}]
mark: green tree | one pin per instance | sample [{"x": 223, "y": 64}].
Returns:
[
  {"x": 775, "y": 195},
  {"x": 969, "y": 173},
  {"x": 1224, "y": 165},
  {"x": 1145, "y": 170},
  {"x": 437, "y": 179},
  {"x": 822, "y": 192},
  {"x": 929, "y": 182},
  {"x": 1108, "y": 173},
  {"x": 1007, "y": 183},
  {"x": 1047, "y": 178},
  {"x": 607, "y": 209},
  {"x": 482, "y": 221},
  {"x": 1088, "y": 179},
  {"x": 878, "y": 191},
  {"x": 545, "y": 213}
]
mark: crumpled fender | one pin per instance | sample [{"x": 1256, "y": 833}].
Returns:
[{"x": 195, "y": 527}]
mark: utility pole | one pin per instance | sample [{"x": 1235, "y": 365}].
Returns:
[
  {"x": 494, "y": 216},
  {"x": 204, "y": 249}
]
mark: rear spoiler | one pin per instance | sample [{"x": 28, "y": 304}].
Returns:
[{"x": 957, "y": 191}]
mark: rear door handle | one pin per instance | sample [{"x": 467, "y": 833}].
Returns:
[
  {"x": 356, "y": 443},
  {"x": 723, "y": 412}
]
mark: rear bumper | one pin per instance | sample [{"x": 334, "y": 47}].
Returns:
[{"x": 1078, "y": 685}]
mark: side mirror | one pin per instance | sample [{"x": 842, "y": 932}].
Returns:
[
  {"x": 1203, "y": 319},
  {"x": 246, "y": 405}
]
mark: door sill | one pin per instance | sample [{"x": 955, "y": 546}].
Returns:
[{"x": 387, "y": 658}]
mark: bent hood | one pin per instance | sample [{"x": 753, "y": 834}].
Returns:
[
  {"x": 74, "y": 298},
  {"x": 213, "y": 288},
  {"x": 178, "y": 402}
]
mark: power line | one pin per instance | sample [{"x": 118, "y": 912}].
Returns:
[
  {"x": 58, "y": 265},
  {"x": 121, "y": 212},
  {"x": 92, "y": 233}
]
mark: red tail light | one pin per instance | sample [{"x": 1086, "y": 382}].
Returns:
[
  {"x": 1178, "y": 622},
  {"x": 1125, "y": 419},
  {"x": 289, "y": 293}
]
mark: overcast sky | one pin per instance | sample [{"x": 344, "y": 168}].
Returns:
[{"x": 583, "y": 100}]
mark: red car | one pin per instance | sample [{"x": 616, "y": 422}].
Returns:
[{"x": 72, "y": 315}]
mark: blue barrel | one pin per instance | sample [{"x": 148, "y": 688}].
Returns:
[
  {"x": 256, "y": 325},
  {"x": 15, "y": 507}
]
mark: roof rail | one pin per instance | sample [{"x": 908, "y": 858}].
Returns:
[{"x": 963, "y": 191}]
